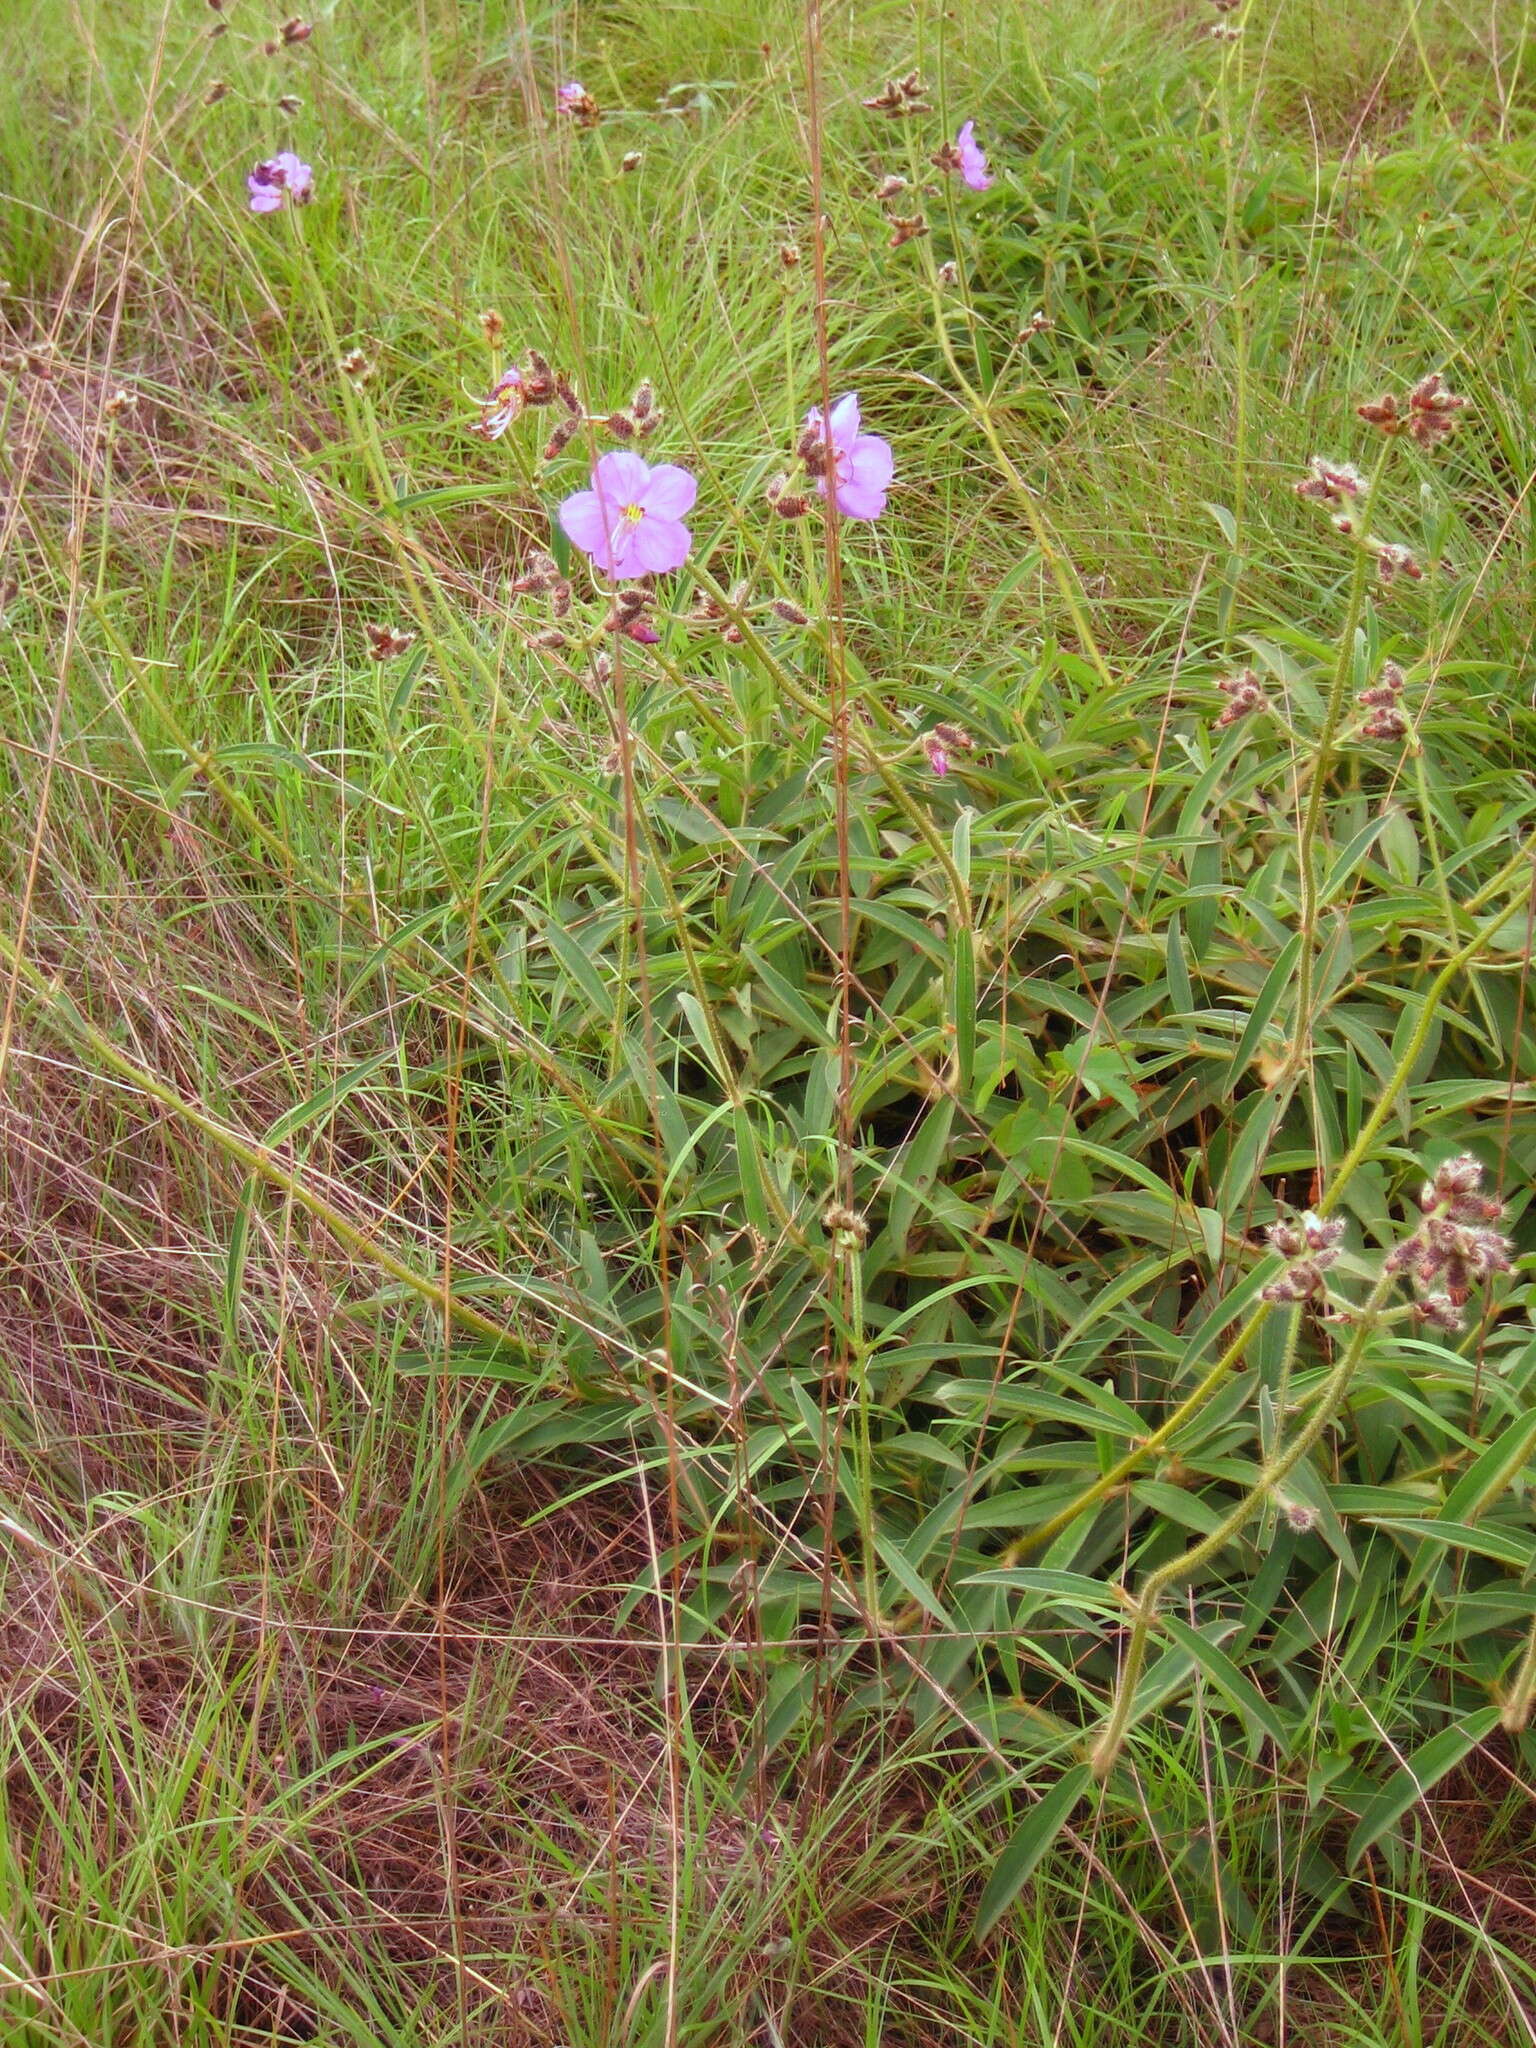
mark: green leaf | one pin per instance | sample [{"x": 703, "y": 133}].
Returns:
[
  {"x": 1424, "y": 1769},
  {"x": 1497, "y": 1468},
  {"x": 1017, "y": 1863},
  {"x": 1276, "y": 982},
  {"x": 1503, "y": 1545}
]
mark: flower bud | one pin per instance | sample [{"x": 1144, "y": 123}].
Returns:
[{"x": 565, "y": 432}]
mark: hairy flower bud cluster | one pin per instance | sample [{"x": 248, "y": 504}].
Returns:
[
  {"x": 907, "y": 227},
  {"x": 640, "y": 418},
  {"x": 942, "y": 743},
  {"x": 1382, "y": 702},
  {"x": 540, "y": 576},
  {"x": 900, "y": 97},
  {"x": 1455, "y": 1247},
  {"x": 1427, "y": 415},
  {"x": 1331, "y": 483},
  {"x": 847, "y": 1229},
  {"x": 1309, "y": 1246},
  {"x": 386, "y": 642},
  {"x": 630, "y": 615},
  {"x": 1394, "y": 560},
  {"x": 1244, "y": 693},
  {"x": 577, "y": 104}
]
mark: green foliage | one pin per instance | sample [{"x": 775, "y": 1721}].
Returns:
[{"x": 860, "y": 1172}]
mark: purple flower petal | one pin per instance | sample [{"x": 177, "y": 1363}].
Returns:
[
  {"x": 588, "y": 526},
  {"x": 860, "y": 501},
  {"x": 657, "y": 545},
  {"x": 624, "y": 548},
  {"x": 973, "y": 160},
  {"x": 670, "y": 492},
  {"x": 264, "y": 198},
  {"x": 870, "y": 461},
  {"x": 843, "y": 420},
  {"x": 620, "y": 478}
]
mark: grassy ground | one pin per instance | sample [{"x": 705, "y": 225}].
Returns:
[{"x": 490, "y": 1553}]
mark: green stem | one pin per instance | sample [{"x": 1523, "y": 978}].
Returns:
[
  {"x": 1521, "y": 1697},
  {"x": 1306, "y": 837},
  {"x": 1179, "y": 1570},
  {"x": 1158, "y": 1439}
]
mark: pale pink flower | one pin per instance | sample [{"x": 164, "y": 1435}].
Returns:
[
  {"x": 572, "y": 91},
  {"x": 631, "y": 521},
  {"x": 973, "y": 161},
  {"x": 860, "y": 465},
  {"x": 281, "y": 178}
]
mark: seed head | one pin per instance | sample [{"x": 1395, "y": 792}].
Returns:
[
  {"x": 783, "y": 608},
  {"x": 219, "y": 90},
  {"x": 296, "y": 30},
  {"x": 631, "y": 160},
  {"x": 121, "y": 401},
  {"x": 289, "y": 103},
  {"x": 492, "y": 326}
]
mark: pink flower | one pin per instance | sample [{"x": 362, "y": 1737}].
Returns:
[
  {"x": 281, "y": 177},
  {"x": 861, "y": 465},
  {"x": 570, "y": 92},
  {"x": 973, "y": 161},
  {"x": 631, "y": 521}
]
